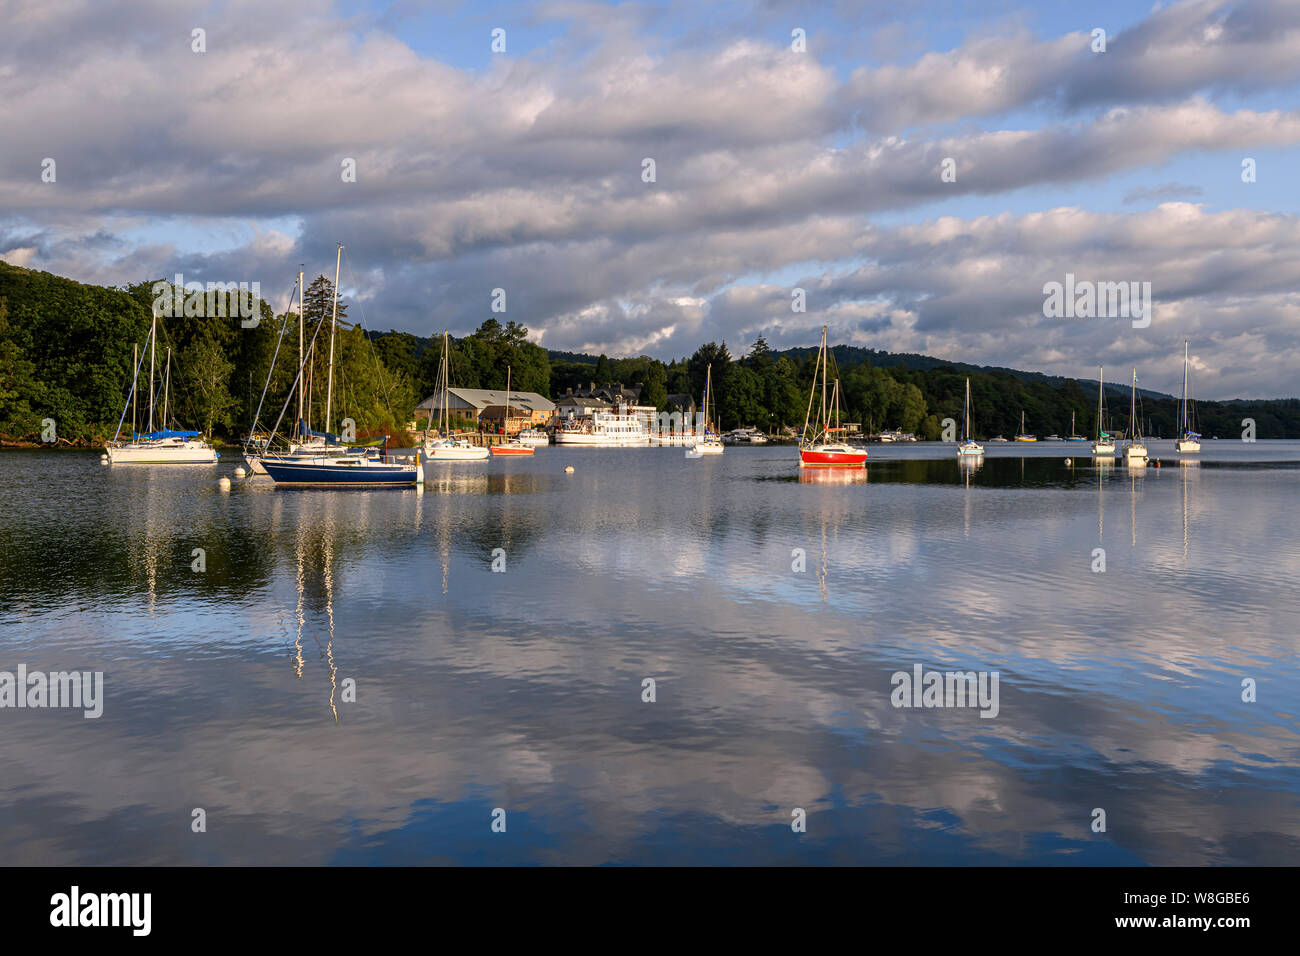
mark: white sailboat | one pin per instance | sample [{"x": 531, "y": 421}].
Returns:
[
  {"x": 1135, "y": 452},
  {"x": 163, "y": 447},
  {"x": 1188, "y": 441},
  {"x": 710, "y": 444},
  {"x": 968, "y": 448},
  {"x": 443, "y": 446},
  {"x": 1104, "y": 446}
]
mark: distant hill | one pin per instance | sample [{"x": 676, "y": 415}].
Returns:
[{"x": 847, "y": 355}]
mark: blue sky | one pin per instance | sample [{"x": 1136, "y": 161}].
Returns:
[{"x": 776, "y": 168}]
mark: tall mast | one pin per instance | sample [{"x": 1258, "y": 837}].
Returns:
[
  {"x": 311, "y": 377},
  {"x": 153, "y": 345},
  {"x": 826, "y": 374},
  {"x": 812, "y": 393},
  {"x": 709, "y": 389},
  {"x": 334, "y": 319},
  {"x": 1101, "y": 375},
  {"x": 301, "y": 318},
  {"x": 1133, "y": 406},
  {"x": 1182, "y": 410},
  {"x": 167, "y": 386},
  {"x": 446, "y": 382},
  {"x": 966, "y": 415},
  {"x": 507, "y": 428},
  {"x": 135, "y": 366}
]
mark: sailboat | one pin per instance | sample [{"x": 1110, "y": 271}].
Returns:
[
  {"x": 1104, "y": 446},
  {"x": 443, "y": 446},
  {"x": 163, "y": 447},
  {"x": 1135, "y": 452},
  {"x": 818, "y": 447},
  {"x": 1024, "y": 436},
  {"x": 309, "y": 442},
  {"x": 306, "y": 443},
  {"x": 1188, "y": 440},
  {"x": 968, "y": 448},
  {"x": 709, "y": 444},
  {"x": 1074, "y": 435},
  {"x": 350, "y": 469},
  {"x": 514, "y": 446}
]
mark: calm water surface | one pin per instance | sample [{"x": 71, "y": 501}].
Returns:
[{"x": 522, "y": 690}]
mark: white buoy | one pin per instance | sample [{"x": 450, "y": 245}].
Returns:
[
  {"x": 568, "y": 470},
  {"x": 239, "y": 472},
  {"x": 224, "y": 483},
  {"x": 1068, "y": 461},
  {"x": 103, "y": 459}
]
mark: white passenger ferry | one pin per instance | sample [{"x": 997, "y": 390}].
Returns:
[{"x": 619, "y": 429}]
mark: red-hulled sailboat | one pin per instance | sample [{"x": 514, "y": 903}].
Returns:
[
  {"x": 514, "y": 446},
  {"x": 820, "y": 446}
]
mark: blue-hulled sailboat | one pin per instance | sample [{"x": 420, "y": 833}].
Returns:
[{"x": 321, "y": 458}]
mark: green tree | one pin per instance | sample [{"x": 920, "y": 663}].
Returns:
[{"x": 209, "y": 375}]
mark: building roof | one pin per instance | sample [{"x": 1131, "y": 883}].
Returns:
[
  {"x": 580, "y": 401},
  {"x": 616, "y": 393},
  {"x": 480, "y": 398}
]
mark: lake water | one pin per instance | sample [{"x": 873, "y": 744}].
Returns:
[{"x": 228, "y": 689}]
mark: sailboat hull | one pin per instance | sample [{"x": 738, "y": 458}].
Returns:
[
  {"x": 509, "y": 451},
  {"x": 840, "y": 456},
  {"x": 357, "y": 472},
  {"x": 1187, "y": 445},
  {"x": 709, "y": 447},
  {"x": 458, "y": 452},
  {"x": 162, "y": 453}
]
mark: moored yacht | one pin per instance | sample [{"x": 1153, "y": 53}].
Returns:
[
  {"x": 1135, "y": 452},
  {"x": 1188, "y": 441},
  {"x": 1104, "y": 446},
  {"x": 968, "y": 448},
  {"x": 442, "y": 445},
  {"x": 514, "y": 447},
  {"x": 1024, "y": 435},
  {"x": 534, "y": 437},
  {"x": 819, "y": 446},
  {"x": 710, "y": 444},
  {"x": 156, "y": 447}
]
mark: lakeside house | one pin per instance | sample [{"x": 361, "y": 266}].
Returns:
[
  {"x": 681, "y": 402},
  {"x": 581, "y": 402},
  {"x": 487, "y": 406}
]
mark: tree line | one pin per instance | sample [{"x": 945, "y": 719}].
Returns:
[{"x": 66, "y": 357}]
